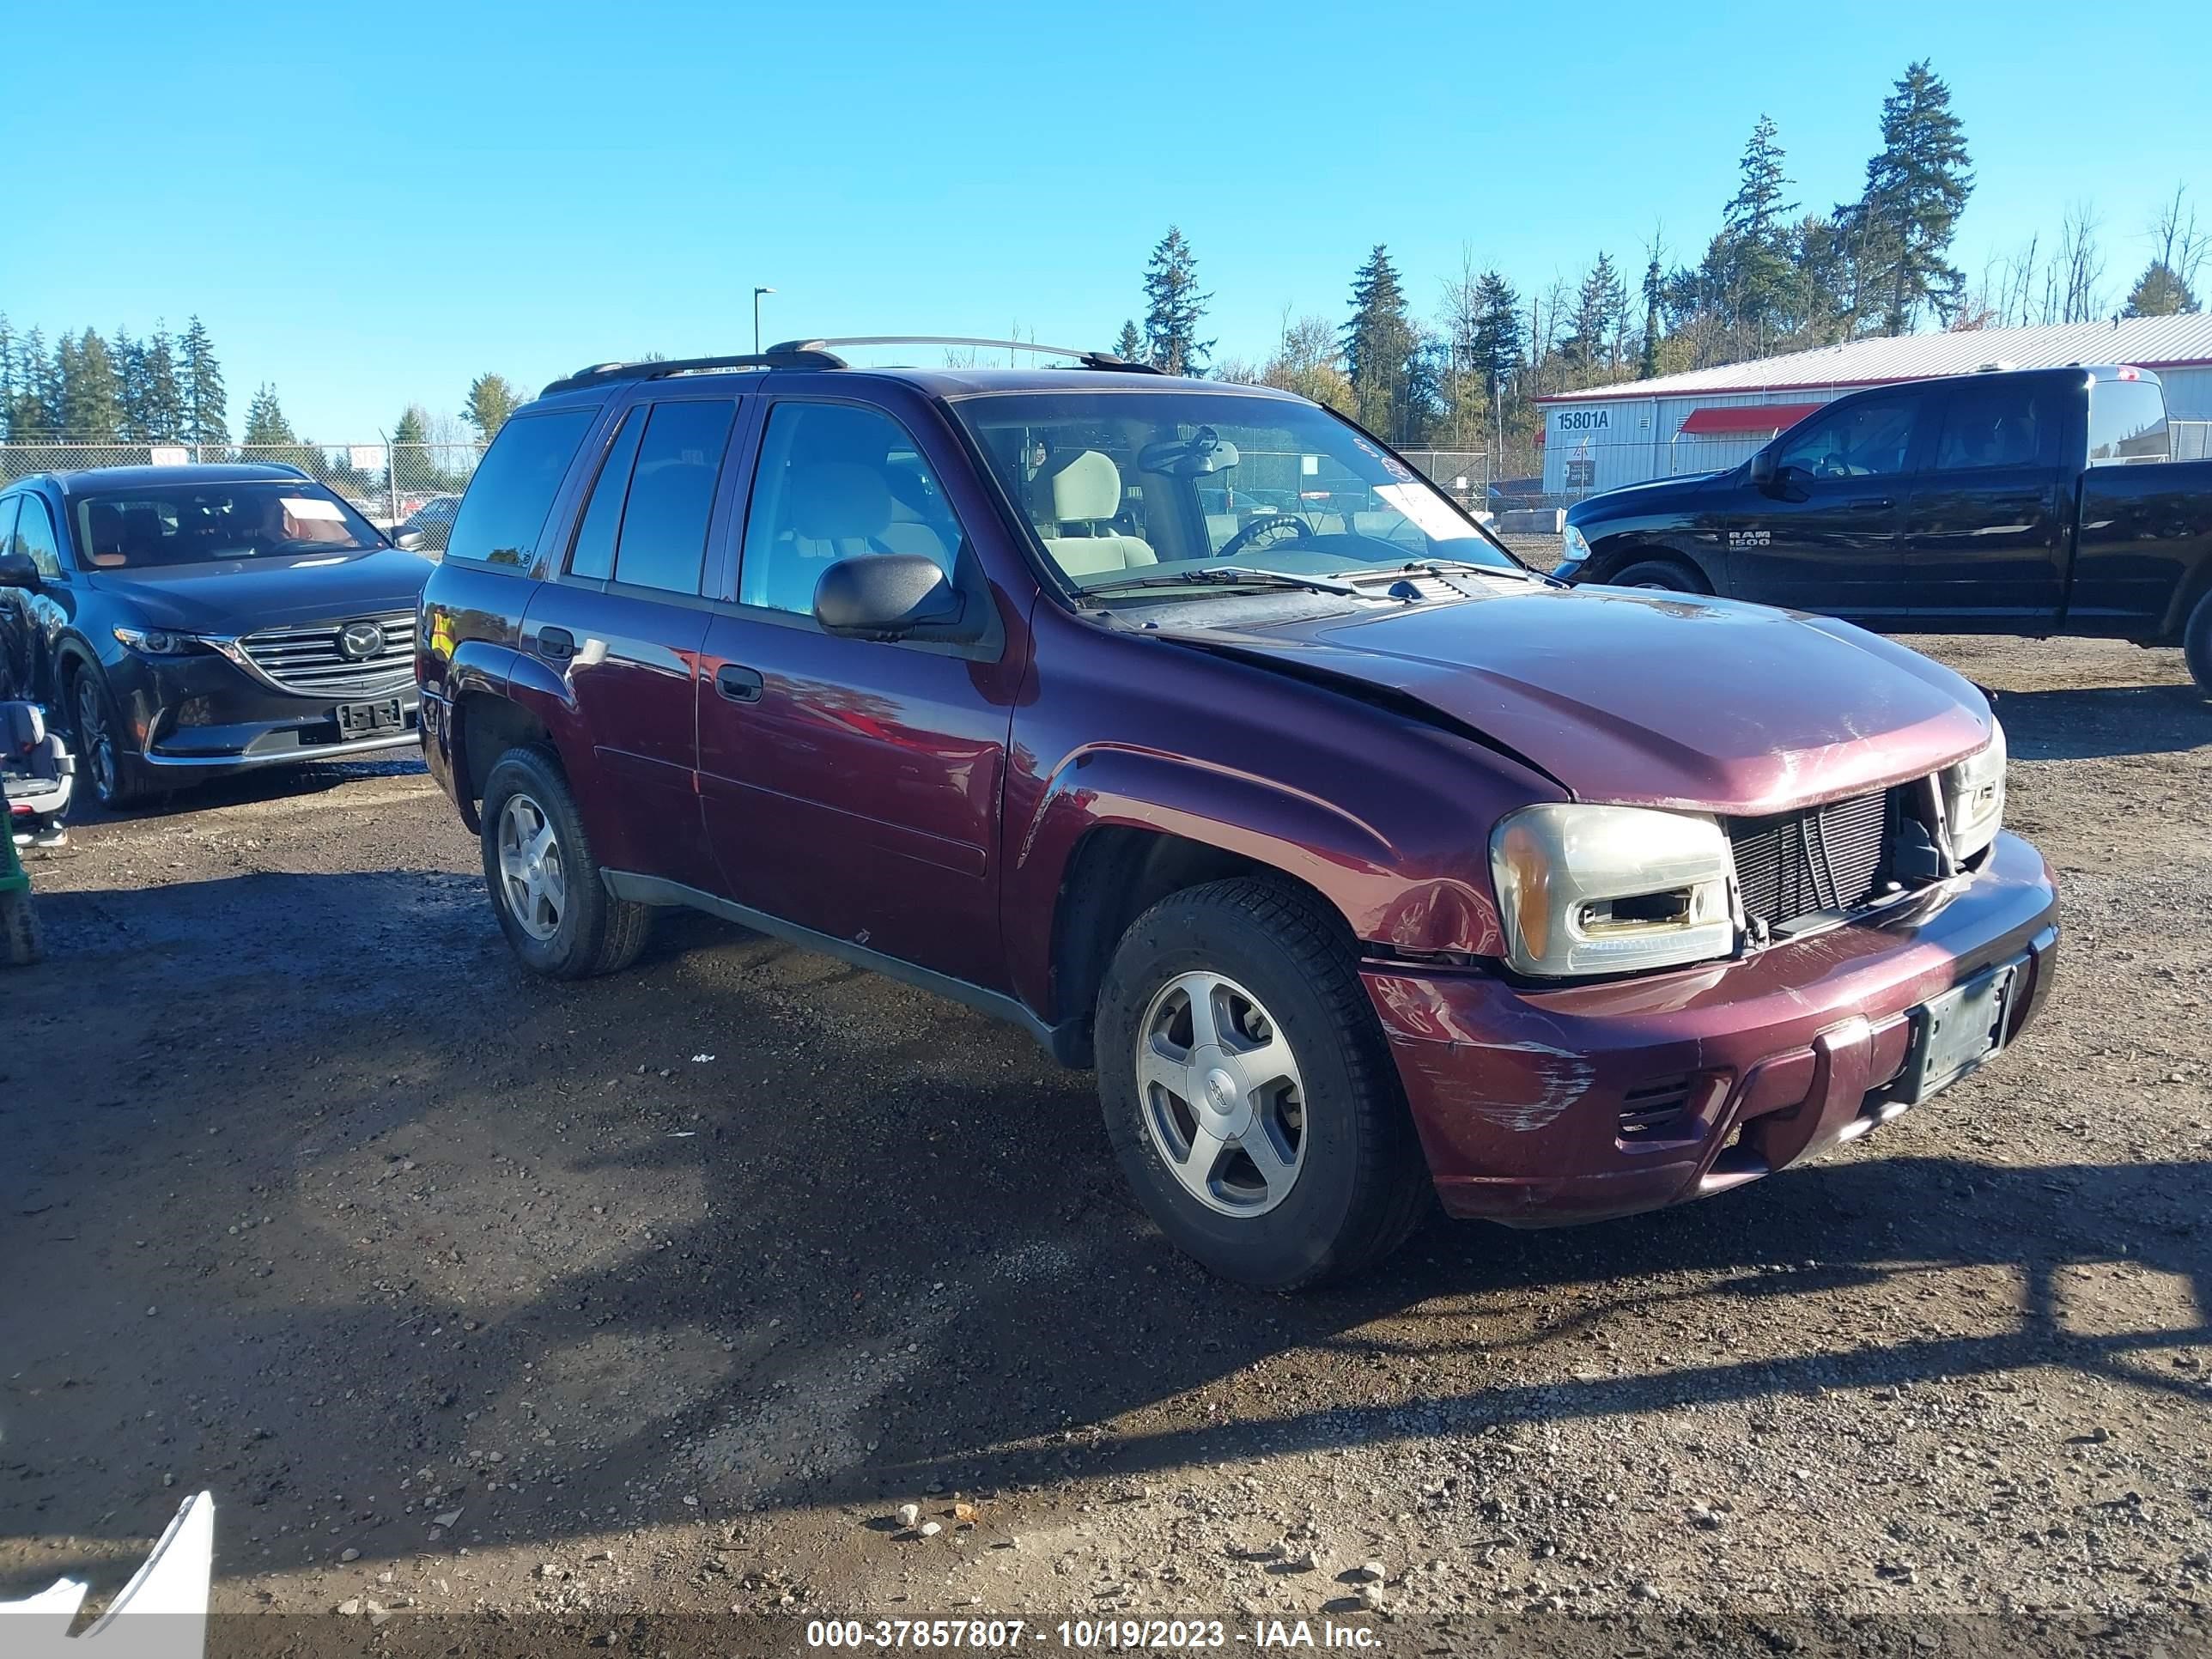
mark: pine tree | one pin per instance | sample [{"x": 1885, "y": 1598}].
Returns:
[
  {"x": 130, "y": 385},
  {"x": 1378, "y": 347},
  {"x": 1497, "y": 334},
  {"x": 1655, "y": 293},
  {"x": 1173, "y": 309},
  {"x": 10, "y": 370},
  {"x": 1599, "y": 304},
  {"x": 265, "y": 424},
  {"x": 206, "y": 405},
  {"x": 1915, "y": 188},
  {"x": 492, "y": 398},
  {"x": 32, "y": 417},
  {"x": 2160, "y": 292},
  {"x": 1130, "y": 346},
  {"x": 161, "y": 398},
  {"x": 91, "y": 396},
  {"x": 1758, "y": 234}
]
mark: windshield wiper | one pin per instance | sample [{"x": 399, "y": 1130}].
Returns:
[{"x": 1230, "y": 576}]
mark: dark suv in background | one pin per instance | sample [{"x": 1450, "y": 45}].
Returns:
[
  {"x": 1187, "y": 727},
  {"x": 189, "y": 621}
]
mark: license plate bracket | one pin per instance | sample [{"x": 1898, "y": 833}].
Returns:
[
  {"x": 364, "y": 720},
  {"x": 1954, "y": 1033}
]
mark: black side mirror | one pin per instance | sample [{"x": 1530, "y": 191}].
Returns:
[
  {"x": 1762, "y": 468},
  {"x": 887, "y": 596},
  {"x": 17, "y": 571}
]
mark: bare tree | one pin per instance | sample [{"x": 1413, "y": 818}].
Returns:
[
  {"x": 2182, "y": 247},
  {"x": 2077, "y": 270}
]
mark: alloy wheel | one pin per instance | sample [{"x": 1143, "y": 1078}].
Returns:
[
  {"x": 533, "y": 882},
  {"x": 1222, "y": 1099},
  {"x": 94, "y": 740}
]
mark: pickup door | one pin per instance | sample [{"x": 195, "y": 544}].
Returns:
[
  {"x": 1823, "y": 535},
  {"x": 1985, "y": 536}
]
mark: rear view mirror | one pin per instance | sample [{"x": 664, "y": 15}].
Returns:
[
  {"x": 886, "y": 596},
  {"x": 17, "y": 571},
  {"x": 1762, "y": 468}
]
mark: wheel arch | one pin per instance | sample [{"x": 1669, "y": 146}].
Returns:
[{"x": 1605, "y": 564}]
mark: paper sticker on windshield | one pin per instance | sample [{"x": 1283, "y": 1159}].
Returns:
[
  {"x": 303, "y": 508},
  {"x": 1429, "y": 515}
]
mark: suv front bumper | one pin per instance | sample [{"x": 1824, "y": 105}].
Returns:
[
  {"x": 1542, "y": 1107},
  {"x": 203, "y": 713}
]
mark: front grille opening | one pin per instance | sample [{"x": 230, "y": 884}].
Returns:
[
  {"x": 1658, "y": 1111},
  {"x": 1821, "y": 862},
  {"x": 338, "y": 658}
]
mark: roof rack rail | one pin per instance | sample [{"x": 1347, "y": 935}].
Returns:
[
  {"x": 793, "y": 356},
  {"x": 1087, "y": 358}
]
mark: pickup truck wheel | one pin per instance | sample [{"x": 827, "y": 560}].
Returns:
[
  {"x": 2197, "y": 644},
  {"x": 1671, "y": 575},
  {"x": 1248, "y": 1095},
  {"x": 544, "y": 883}
]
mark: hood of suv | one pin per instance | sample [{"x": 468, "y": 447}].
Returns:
[
  {"x": 1646, "y": 699},
  {"x": 239, "y": 596}
]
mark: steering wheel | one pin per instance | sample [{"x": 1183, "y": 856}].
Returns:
[{"x": 1300, "y": 529}]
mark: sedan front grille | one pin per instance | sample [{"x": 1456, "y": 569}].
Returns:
[
  {"x": 352, "y": 656},
  {"x": 1799, "y": 864}
]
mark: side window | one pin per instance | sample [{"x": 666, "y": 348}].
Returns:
[
  {"x": 593, "y": 554},
  {"x": 511, "y": 495},
  {"x": 2127, "y": 423},
  {"x": 1860, "y": 440},
  {"x": 34, "y": 534},
  {"x": 1988, "y": 426},
  {"x": 663, "y": 539},
  {"x": 836, "y": 483}
]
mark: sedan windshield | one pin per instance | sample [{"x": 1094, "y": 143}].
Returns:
[
  {"x": 1176, "y": 487},
  {"x": 203, "y": 523}
]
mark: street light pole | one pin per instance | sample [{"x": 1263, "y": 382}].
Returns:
[{"x": 756, "y": 293}]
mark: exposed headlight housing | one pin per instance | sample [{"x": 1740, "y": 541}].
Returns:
[
  {"x": 1611, "y": 889},
  {"x": 1574, "y": 546},
  {"x": 160, "y": 641},
  {"x": 1974, "y": 796}
]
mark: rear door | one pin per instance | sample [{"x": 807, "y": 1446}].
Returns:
[
  {"x": 1823, "y": 536},
  {"x": 623, "y": 619},
  {"x": 1985, "y": 520},
  {"x": 853, "y": 786}
]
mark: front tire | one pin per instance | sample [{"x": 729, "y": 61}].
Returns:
[
  {"x": 1248, "y": 1095},
  {"x": 2197, "y": 644},
  {"x": 119, "y": 779},
  {"x": 545, "y": 886},
  {"x": 1671, "y": 576}
]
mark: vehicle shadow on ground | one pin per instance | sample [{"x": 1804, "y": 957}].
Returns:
[
  {"x": 2084, "y": 723},
  {"x": 878, "y": 1246},
  {"x": 255, "y": 787}
]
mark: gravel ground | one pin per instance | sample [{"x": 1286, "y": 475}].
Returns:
[{"x": 659, "y": 1295}]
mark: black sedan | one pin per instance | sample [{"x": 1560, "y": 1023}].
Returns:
[{"x": 189, "y": 621}]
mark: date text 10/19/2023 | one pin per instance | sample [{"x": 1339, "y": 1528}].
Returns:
[{"x": 1083, "y": 1635}]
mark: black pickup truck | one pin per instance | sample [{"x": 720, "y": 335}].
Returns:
[{"x": 2032, "y": 502}]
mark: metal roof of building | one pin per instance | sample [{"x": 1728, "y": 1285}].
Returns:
[{"x": 2146, "y": 342}]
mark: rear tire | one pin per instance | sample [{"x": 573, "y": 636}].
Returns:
[
  {"x": 1671, "y": 575},
  {"x": 21, "y": 943},
  {"x": 1299, "y": 1071},
  {"x": 2197, "y": 644},
  {"x": 544, "y": 884}
]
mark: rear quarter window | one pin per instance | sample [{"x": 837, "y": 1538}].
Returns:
[
  {"x": 2127, "y": 423},
  {"x": 502, "y": 517}
]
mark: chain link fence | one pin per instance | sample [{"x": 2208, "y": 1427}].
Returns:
[{"x": 394, "y": 486}]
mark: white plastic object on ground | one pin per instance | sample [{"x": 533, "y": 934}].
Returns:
[{"x": 161, "y": 1613}]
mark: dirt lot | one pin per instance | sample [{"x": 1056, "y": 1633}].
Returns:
[{"x": 658, "y": 1295}]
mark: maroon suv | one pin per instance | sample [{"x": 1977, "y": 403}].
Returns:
[{"x": 1186, "y": 725}]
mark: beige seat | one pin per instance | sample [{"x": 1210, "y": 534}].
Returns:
[
  {"x": 1074, "y": 502},
  {"x": 830, "y": 511}
]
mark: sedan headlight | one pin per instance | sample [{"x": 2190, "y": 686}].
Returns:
[
  {"x": 160, "y": 641},
  {"x": 1973, "y": 796},
  {"x": 1610, "y": 889},
  {"x": 1574, "y": 546}
]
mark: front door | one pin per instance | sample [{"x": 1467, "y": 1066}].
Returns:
[
  {"x": 853, "y": 786},
  {"x": 1985, "y": 520},
  {"x": 1823, "y": 535}
]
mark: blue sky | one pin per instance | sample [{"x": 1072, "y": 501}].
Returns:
[{"x": 370, "y": 205}]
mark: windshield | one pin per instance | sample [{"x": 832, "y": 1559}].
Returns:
[
  {"x": 1185, "y": 485},
  {"x": 203, "y": 523}
]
